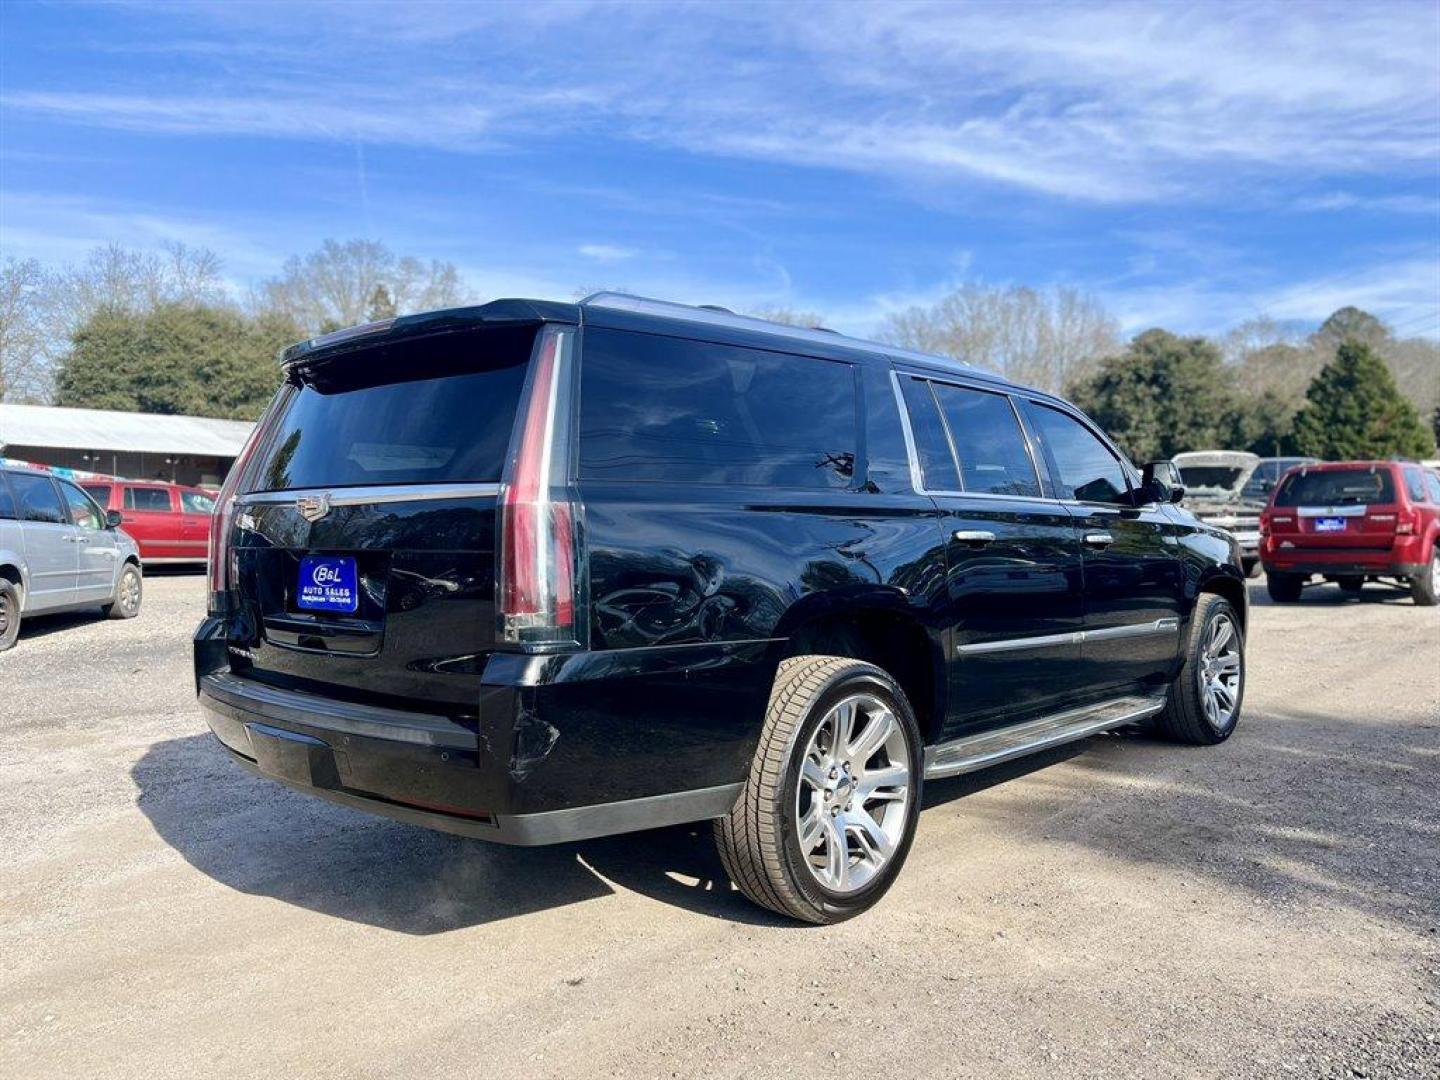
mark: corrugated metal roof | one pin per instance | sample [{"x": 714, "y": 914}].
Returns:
[{"x": 101, "y": 429}]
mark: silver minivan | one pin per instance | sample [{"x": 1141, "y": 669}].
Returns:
[{"x": 60, "y": 552}]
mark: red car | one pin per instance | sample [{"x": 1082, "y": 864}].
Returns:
[
  {"x": 1351, "y": 522},
  {"x": 171, "y": 523}
]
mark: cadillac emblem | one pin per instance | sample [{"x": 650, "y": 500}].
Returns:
[{"x": 313, "y": 507}]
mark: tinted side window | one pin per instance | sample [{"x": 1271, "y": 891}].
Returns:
[
  {"x": 147, "y": 499},
  {"x": 82, "y": 509},
  {"x": 1414, "y": 483},
  {"x": 659, "y": 408},
  {"x": 988, "y": 442},
  {"x": 7, "y": 501},
  {"x": 1432, "y": 485},
  {"x": 37, "y": 500},
  {"x": 1081, "y": 466},
  {"x": 193, "y": 502},
  {"x": 937, "y": 463}
]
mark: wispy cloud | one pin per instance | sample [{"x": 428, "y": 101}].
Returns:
[
  {"x": 1102, "y": 103},
  {"x": 607, "y": 253}
]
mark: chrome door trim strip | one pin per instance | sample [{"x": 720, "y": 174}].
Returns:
[
  {"x": 992, "y": 747},
  {"x": 1045, "y": 641},
  {"x": 380, "y": 493}
]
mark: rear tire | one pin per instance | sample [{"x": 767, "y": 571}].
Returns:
[
  {"x": 9, "y": 614},
  {"x": 128, "y": 592},
  {"x": 839, "y": 767},
  {"x": 1425, "y": 587},
  {"x": 1202, "y": 706},
  {"x": 1251, "y": 567},
  {"x": 1283, "y": 588}
]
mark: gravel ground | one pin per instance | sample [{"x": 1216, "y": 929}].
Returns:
[{"x": 1120, "y": 908}]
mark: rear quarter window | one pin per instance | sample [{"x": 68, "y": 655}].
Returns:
[
  {"x": 1337, "y": 487},
  {"x": 1414, "y": 483},
  {"x": 658, "y": 408}
]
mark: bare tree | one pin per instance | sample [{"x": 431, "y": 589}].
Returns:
[
  {"x": 1046, "y": 338},
  {"x": 789, "y": 316},
  {"x": 134, "y": 281},
  {"x": 338, "y": 285},
  {"x": 24, "y": 371}
]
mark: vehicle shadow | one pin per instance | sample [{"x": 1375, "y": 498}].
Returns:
[
  {"x": 42, "y": 625},
  {"x": 1330, "y": 595},
  {"x": 260, "y": 837}
]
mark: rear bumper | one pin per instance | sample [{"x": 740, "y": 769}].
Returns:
[
  {"x": 1343, "y": 567},
  {"x": 567, "y": 748}
]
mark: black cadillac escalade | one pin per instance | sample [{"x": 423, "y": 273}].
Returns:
[{"x": 534, "y": 572}]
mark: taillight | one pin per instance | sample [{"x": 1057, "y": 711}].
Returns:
[
  {"x": 1407, "y": 523},
  {"x": 539, "y": 521},
  {"x": 224, "y": 513}
]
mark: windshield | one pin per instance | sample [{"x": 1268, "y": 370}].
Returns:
[
  {"x": 1211, "y": 476},
  {"x": 1337, "y": 487}
]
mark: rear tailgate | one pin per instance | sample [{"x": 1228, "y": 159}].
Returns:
[
  {"x": 362, "y": 558},
  {"x": 1351, "y": 509}
]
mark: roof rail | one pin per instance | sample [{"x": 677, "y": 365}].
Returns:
[{"x": 718, "y": 316}]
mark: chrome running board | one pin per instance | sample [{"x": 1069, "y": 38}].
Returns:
[{"x": 992, "y": 747}]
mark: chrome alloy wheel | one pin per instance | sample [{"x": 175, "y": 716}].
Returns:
[
  {"x": 5, "y": 614},
  {"x": 854, "y": 793},
  {"x": 129, "y": 598},
  {"x": 1220, "y": 672}
]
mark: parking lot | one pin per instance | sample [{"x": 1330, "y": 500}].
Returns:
[{"x": 1117, "y": 908}]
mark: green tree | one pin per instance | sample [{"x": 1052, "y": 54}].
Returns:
[
  {"x": 1164, "y": 394},
  {"x": 1354, "y": 410},
  {"x": 175, "y": 358}
]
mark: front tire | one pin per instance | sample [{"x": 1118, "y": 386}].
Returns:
[
  {"x": 128, "y": 592},
  {"x": 1202, "y": 706},
  {"x": 828, "y": 812},
  {"x": 9, "y": 614},
  {"x": 1425, "y": 587},
  {"x": 1283, "y": 588}
]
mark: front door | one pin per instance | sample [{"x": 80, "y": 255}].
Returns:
[
  {"x": 96, "y": 550},
  {"x": 49, "y": 537},
  {"x": 1134, "y": 587},
  {"x": 1014, "y": 565}
]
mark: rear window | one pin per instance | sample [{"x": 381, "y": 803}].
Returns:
[
  {"x": 1337, "y": 487},
  {"x": 436, "y": 410},
  {"x": 99, "y": 492},
  {"x": 1210, "y": 476},
  {"x": 147, "y": 499},
  {"x": 661, "y": 408}
]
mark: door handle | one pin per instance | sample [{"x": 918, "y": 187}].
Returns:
[
  {"x": 83, "y": 540},
  {"x": 1099, "y": 539},
  {"x": 975, "y": 536}
]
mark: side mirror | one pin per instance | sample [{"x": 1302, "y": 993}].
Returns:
[
  {"x": 1160, "y": 482},
  {"x": 112, "y": 519}
]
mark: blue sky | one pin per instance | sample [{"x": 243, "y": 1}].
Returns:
[{"x": 1193, "y": 166}]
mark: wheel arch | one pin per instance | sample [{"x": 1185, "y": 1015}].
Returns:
[
  {"x": 881, "y": 627},
  {"x": 1232, "y": 589},
  {"x": 13, "y": 571}
]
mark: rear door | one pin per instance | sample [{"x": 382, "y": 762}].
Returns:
[
  {"x": 196, "y": 508},
  {"x": 150, "y": 514},
  {"x": 49, "y": 537},
  {"x": 363, "y": 540},
  {"x": 1014, "y": 567},
  {"x": 1134, "y": 584}
]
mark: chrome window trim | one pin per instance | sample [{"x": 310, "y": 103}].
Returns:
[
  {"x": 380, "y": 493},
  {"x": 1076, "y": 637}
]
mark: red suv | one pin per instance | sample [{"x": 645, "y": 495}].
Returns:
[
  {"x": 1352, "y": 522},
  {"x": 170, "y": 523}
]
